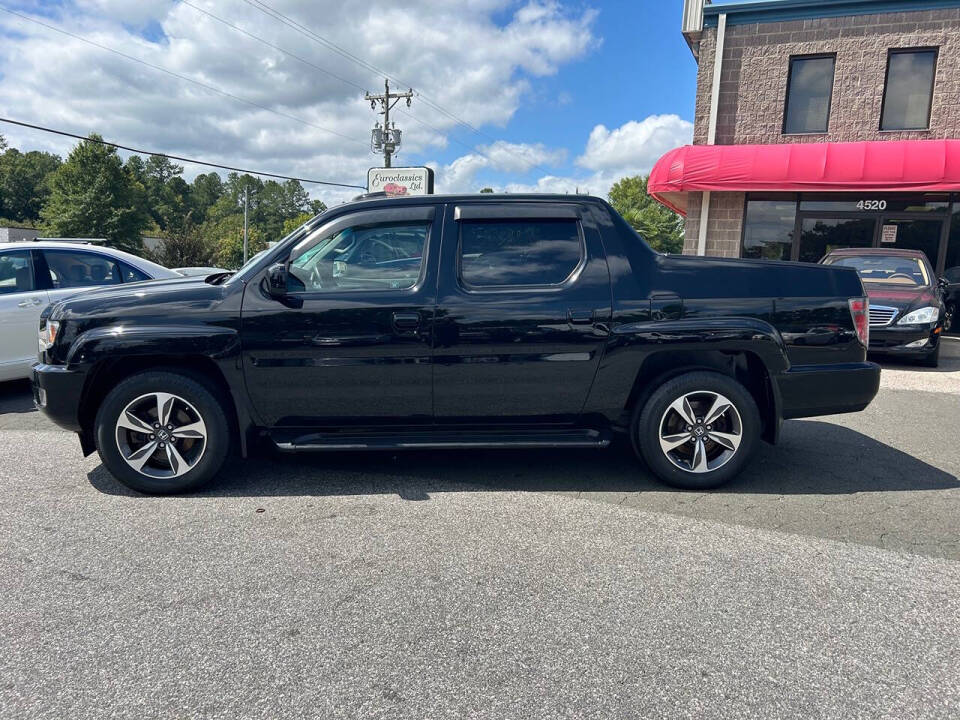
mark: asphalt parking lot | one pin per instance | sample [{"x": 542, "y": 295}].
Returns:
[{"x": 823, "y": 583}]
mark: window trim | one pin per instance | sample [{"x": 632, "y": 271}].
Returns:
[
  {"x": 786, "y": 100},
  {"x": 935, "y": 49},
  {"x": 548, "y": 287}
]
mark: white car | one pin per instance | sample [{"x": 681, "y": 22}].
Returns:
[
  {"x": 199, "y": 271},
  {"x": 35, "y": 274}
]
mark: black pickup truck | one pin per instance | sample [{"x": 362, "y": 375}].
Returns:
[{"x": 456, "y": 322}]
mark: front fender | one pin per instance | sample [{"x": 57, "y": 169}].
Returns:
[{"x": 215, "y": 342}]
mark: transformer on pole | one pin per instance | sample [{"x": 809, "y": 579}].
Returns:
[{"x": 386, "y": 138}]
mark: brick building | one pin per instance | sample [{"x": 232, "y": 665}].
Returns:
[{"x": 864, "y": 86}]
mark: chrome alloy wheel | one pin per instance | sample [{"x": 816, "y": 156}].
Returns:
[
  {"x": 700, "y": 431},
  {"x": 161, "y": 435}
]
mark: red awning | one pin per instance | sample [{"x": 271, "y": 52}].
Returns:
[{"x": 878, "y": 166}]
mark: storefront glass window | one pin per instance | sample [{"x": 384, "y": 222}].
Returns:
[
  {"x": 768, "y": 229},
  {"x": 952, "y": 265},
  {"x": 818, "y": 236}
]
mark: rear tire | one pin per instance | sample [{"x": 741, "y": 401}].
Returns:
[
  {"x": 161, "y": 432},
  {"x": 701, "y": 444}
]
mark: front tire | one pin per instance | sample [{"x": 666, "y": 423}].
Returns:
[
  {"x": 161, "y": 432},
  {"x": 697, "y": 431},
  {"x": 932, "y": 360}
]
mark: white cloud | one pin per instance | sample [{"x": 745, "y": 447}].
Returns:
[
  {"x": 634, "y": 145},
  {"x": 631, "y": 149},
  {"x": 475, "y": 57}
]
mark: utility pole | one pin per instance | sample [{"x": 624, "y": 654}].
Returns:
[
  {"x": 386, "y": 139},
  {"x": 245, "y": 245}
]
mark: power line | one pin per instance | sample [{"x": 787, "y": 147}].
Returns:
[
  {"x": 319, "y": 39},
  {"x": 275, "y": 47},
  {"x": 333, "y": 75},
  {"x": 193, "y": 161},
  {"x": 303, "y": 30},
  {"x": 210, "y": 88}
]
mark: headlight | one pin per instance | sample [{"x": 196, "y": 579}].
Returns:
[
  {"x": 920, "y": 317},
  {"x": 48, "y": 334}
]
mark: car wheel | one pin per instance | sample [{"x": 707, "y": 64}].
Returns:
[
  {"x": 161, "y": 432},
  {"x": 697, "y": 431},
  {"x": 933, "y": 359}
]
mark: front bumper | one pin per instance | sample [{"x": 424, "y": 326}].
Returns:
[
  {"x": 57, "y": 392},
  {"x": 809, "y": 390},
  {"x": 893, "y": 340}
]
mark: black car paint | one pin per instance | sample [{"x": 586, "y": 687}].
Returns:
[{"x": 441, "y": 356}]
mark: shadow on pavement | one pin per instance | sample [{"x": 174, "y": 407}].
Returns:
[
  {"x": 813, "y": 458},
  {"x": 16, "y": 397}
]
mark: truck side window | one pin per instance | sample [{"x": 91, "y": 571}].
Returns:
[
  {"x": 518, "y": 252},
  {"x": 386, "y": 256}
]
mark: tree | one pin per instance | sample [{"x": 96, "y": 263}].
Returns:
[
  {"x": 24, "y": 183},
  {"x": 91, "y": 195},
  {"x": 486, "y": 190},
  {"x": 205, "y": 190},
  {"x": 184, "y": 246},
  {"x": 291, "y": 224},
  {"x": 226, "y": 237},
  {"x": 658, "y": 225}
]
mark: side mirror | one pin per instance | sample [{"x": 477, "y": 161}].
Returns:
[
  {"x": 943, "y": 282},
  {"x": 277, "y": 280}
]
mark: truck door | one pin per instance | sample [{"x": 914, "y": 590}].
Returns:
[
  {"x": 350, "y": 344},
  {"x": 522, "y": 312}
]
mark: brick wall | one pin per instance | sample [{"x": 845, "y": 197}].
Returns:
[
  {"x": 753, "y": 81},
  {"x": 753, "y": 88},
  {"x": 723, "y": 224}
]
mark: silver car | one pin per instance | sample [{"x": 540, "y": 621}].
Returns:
[{"x": 35, "y": 274}]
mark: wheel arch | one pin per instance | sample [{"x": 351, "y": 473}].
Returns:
[
  {"x": 107, "y": 373},
  {"x": 744, "y": 366}
]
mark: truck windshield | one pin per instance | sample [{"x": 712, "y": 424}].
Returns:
[{"x": 887, "y": 269}]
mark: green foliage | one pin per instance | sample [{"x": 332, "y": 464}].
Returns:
[
  {"x": 658, "y": 225},
  {"x": 291, "y": 224},
  {"x": 92, "y": 195},
  {"x": 226, "y": 238},
  {"x": 184, "y": 246},
  {"x": 24, "y": 183},
  {"x": 486, "y": 190},
  {"x": 95, "y": 194}
]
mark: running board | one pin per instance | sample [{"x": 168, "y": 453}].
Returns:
[{"x": 288, "y": 441}]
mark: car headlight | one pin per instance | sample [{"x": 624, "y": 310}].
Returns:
[
  {"x": 48, "y": 334},
  {"x": 922, "y": 316}
]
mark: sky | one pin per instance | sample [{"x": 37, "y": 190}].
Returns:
[{"x": 534, "y": 95}]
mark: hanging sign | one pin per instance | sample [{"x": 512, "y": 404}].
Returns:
[
  {"x": 400, "y": 181},
  {"x": 888, "y": 234}
]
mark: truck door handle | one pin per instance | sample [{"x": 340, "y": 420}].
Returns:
[
  {"x": 580, "y": 317},
  {"x": 406, "y": 321}
]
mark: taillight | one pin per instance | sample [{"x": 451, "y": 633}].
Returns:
[{"x": 860, "y": 311}]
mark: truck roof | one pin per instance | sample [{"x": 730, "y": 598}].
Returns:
[{"x": 473, "y": 197}]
